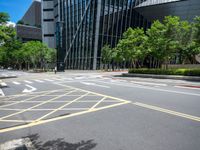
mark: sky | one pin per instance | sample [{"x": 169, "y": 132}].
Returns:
[{"x": 15, "y": 8}]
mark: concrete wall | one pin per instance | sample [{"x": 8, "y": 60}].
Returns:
[
  {"x": 33, "y": 15},
  {"x": 48, "y": 24}
]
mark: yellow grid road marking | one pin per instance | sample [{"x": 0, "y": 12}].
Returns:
[
  {"x": 23, "y": 100},
  {"x": 47, "y": 109},
  {"x": 119, "y": 99},
  {"x": 62, "y": 101},
  {"x": 17, "y": 121},
  {"x": 62, "y": 107},
  {"x": 35, "y": 106},
  {"x": 32, "y": 94},
  {"x": 30, "y": 123},
  {"x": 98, "y": 103},
  {"x": 60, "y": 117}
]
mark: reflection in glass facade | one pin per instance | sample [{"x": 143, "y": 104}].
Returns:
[{"x": 83, "y": 27}]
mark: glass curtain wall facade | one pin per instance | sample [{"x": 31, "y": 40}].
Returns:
[{"x": 85, "y": 26}]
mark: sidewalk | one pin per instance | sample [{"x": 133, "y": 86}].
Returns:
[
  {"x": 188, "y": 78},
  {"x": 6, "y": 77}
]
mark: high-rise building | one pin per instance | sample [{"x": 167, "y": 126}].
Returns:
[
  {"x": 29, "y": 27},
  {"x": 48, "y": 23},
  {"x": 80, "y": 28}
]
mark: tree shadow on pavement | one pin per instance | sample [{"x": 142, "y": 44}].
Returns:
[{"x": 60, "y": 144}]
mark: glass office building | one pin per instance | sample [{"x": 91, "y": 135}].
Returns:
[{"x": 83, "y": 27}]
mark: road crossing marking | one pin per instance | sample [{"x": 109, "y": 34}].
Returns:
[
  {"x": 68, "y": 103},
  {"x": 94, "y": 84},
  {"x": 17, "y": 102},
  {"x": 48, "y": 80},
  {"x": 95, "y": 105},
  {"x": 35, "y": 105},
  {"x": 5, "y": 75},
  {"x": 1, "y": 93},
  {"x": 3, "y": 84},
  {"x": 81, "y": 110},
  {"x": 28, "y": 81},
  {"x": 40, "y": 81},
  {"x": 17, "y": 83}
]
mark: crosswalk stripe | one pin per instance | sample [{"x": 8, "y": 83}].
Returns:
[
  {"x": 3, "y": 84},
  {"x": 27, "y": 81},
  {"x": 5, "y": 75},
  {"x": 48, "y": 80},
  {"x": 57, "y": 79},
  {"x": 1, "y": 93},
  {"x": 17, "y": 83},
  {"x": 39, "y": 81}
]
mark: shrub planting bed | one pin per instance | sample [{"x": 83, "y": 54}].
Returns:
[{"x": 182, "y": 72}]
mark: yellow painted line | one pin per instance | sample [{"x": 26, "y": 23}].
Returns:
[
  {"x": 48, "y": 109},
  {"x": 62, "y": 107},
  {"x": 175, "y": 113},
  {"x": 34, "y": 106},
  {"x": 33, "y": 94},
  {"x": 62, "y": 101},
  {"x": 95, "y": 105},
  {"x": 115, "y": 98},
  {"x": 17, "y": 121},
  {"x": 17, "y": 102},
  {"x": 60, "y": 118}
]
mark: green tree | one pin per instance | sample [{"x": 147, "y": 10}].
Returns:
[
  {"x": 106, "y": 55},
  {"x": 163, "y": 40},
  {"x": 20, "y": 22},
  {"x": 37, "y": 54},
  {"x": 132, "y": 46},
  {"x": 4, "y": 17},
  {"x": 193, "y": 47}
]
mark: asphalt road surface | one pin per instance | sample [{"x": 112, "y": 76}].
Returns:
[{"x": 84, "y": 110}]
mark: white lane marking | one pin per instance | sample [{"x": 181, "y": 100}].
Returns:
[
  {"x": 5, "y": 75},
  {"x": 79, "y": 78},
  {"x": 3, "y": 84},
  {"x": 1, "y": 92},
  {"x": 39, "y": 81},
  {"x": 151, "y": 88},
  {"x": 57, "y": 79},
  {"x": 28, "y": 81},
  {"x": 29, "y": 90},
  {"x": 48, "y": 80},
  {"x": 94, "y": 84},
  {"x": 68, "y": 79},
  {"x": 17, "y": 83},
  {"x": 149, "y": 83},
  {"x": 185, "y": 87}
]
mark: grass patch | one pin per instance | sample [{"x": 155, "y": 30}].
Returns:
[{"x": 183, "y": 72}]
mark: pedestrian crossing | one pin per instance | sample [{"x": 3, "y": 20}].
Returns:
[
  {"x": 51, "y": 80},
  {"x": 12, "y": 74}
]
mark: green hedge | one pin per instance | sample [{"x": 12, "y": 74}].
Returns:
[{"x": 184, "y": 72}]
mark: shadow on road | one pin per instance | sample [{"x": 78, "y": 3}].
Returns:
[{"x": 60, "y": 144}]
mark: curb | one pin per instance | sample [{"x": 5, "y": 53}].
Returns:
[
  {"x": 189, "y": 78},
  {"x": 4, "y": 77}
]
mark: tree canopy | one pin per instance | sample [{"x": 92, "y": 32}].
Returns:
[
  {"x": 171, "y": 41},
  {"x": 4, "y": 17}
]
